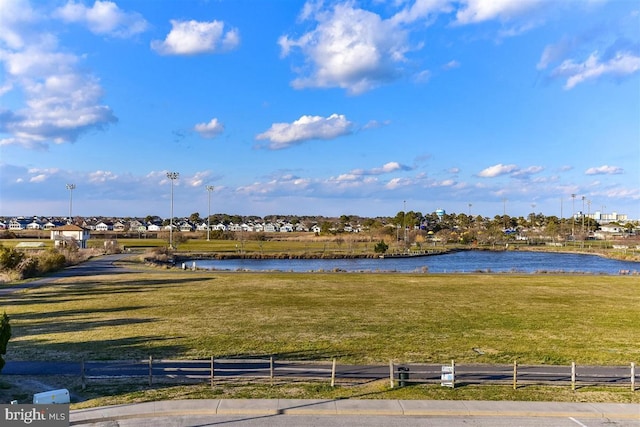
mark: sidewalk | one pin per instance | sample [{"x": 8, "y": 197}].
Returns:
[{"x": 264, "y": 407}]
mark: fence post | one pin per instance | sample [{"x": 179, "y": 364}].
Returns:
[
  {"x": 391, "y": 373},
  {"x": 212, "y": 371},
  {"x": 82, "y": 374},
  {"x": 453, "y": 371},
  {"x": 333, "y": 373},
  {"x": 633, "y": 376},
  {"x": 271, "y": 369},
  {"x": 573, "y": 376},
  {"x": 515, "y": 374},
  {"x": 150, "y": 370}
]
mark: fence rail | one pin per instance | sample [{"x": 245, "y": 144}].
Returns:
[{"x": 451, "y": 374}]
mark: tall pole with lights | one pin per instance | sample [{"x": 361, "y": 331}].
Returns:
[
  {"x": 573, "y": 214},
  {"x": 71, "y": 187},
  {"x": 172, "y": 176},
  {"x": 209, "y": 190}
]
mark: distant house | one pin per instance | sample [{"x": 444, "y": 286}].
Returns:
[
  {"x": 185, "y": 226},
  {"x": 104, "y": 226},
  {"x": 271, "y": 228},
  {"x": 154, "y": 227},
  {"x": 18, "y": 224},
  {"x": 52, "y": 224},
  {"x": 34, "y": 225},
  {"x": 70, "y": 235},
  {"x": 119, "y": 226},
  {"x": 316, "y": 228}
]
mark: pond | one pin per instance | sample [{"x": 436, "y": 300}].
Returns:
[{"x": 454, "y": 262}]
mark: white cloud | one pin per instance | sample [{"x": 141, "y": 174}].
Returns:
[
  {"x": 13, "y": 16},
  {"x": 283, "y": 135},
  {"x": 195, "y": 37},
  {"x": 350, "y": 48},
  {"x": 103, "y": 18},
  {"x": 474, "y": 11},
  {"x": 422, "y": 10},
  {"x": 209, "y": 130},
  {"x": 526, "y": 173},
  {"x": 102, "y": 176},
  {"x": 61, "y": 102},
  {"x": 451, "y": 65},
  {"x": 604, "y": 170},
  {"x": 497, "y": 170},
  {"x": 622, "y": 64},
  {"x": 386, "y": 168}
]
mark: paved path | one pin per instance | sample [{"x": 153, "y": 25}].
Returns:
[
  {"x": 260, "y": 412},
  {"x": 95, "y": 266}
]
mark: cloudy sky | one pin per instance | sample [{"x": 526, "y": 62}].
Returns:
[{"x": 319, "y": 107}]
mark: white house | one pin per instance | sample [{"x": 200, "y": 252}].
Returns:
[
  {"x": 154, "y": 227},
  {"x": 104, "y": 226},
  {"x": 70, "y": 234}
]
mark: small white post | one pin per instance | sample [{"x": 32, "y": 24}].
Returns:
[
  {"x": 391, "y": 373},
  {"x": 633, "y": 376},
  {"x": 453, "y": 373},
  {"x": 515, "y": 374},
  {"x": 333, "y": 373},
  {"x": 573, "y": 376}
]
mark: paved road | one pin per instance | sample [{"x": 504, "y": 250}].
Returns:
[{"x": 354, "y": 412}]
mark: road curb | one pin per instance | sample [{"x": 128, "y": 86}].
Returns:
[{"x": 267, "y": 407}]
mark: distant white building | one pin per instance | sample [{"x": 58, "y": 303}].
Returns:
[{"x": 69, "y": 235}]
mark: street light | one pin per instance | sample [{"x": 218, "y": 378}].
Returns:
[
  {"x": 71, "y": 187},
  {"x": 172, "y": 176},
  {"x": 209, "y": 190}
]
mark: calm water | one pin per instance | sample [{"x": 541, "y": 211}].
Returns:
[{"x": 457, "y": 262}]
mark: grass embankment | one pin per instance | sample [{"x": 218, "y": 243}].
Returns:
[{"x": 358, "y": 318}]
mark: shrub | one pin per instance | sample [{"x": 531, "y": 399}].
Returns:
[
  {"x": 51, "y": 260},
  {"x": 10, "y": 258}
]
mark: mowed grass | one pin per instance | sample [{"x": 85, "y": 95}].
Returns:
[{"x": 357, "y": 318}]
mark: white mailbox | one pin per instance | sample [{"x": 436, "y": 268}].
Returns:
[{"x": 52, "y": 396}]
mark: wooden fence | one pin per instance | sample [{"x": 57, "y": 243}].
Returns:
[{"x": 451, "y": 375}]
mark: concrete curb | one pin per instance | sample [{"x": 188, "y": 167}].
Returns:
[{"x": 264, "y": 407}]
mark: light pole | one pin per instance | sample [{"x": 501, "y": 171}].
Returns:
[
  {"x": 71, "y": 187},
  {"x": 573, "y": 215},
  {"x": 172, "y": 176},
  {"x": 209, "y": 190}
]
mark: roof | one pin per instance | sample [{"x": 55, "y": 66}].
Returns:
[{"x": 69, "y": 227}]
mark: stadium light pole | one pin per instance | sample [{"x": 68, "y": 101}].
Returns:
[
  {"x": 573, "y": 215},
  {"x": 71, "y": 187},
  {"x": 172, "y": 176},
  {"x": 209, "y": 190}
]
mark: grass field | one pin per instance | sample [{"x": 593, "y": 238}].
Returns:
[{"x": 358, "y": 318}]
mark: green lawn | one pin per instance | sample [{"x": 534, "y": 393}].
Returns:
[{"x": 358, "y": 318}]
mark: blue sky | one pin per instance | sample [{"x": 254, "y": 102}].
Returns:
[{"x": 319, "y": 108}]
